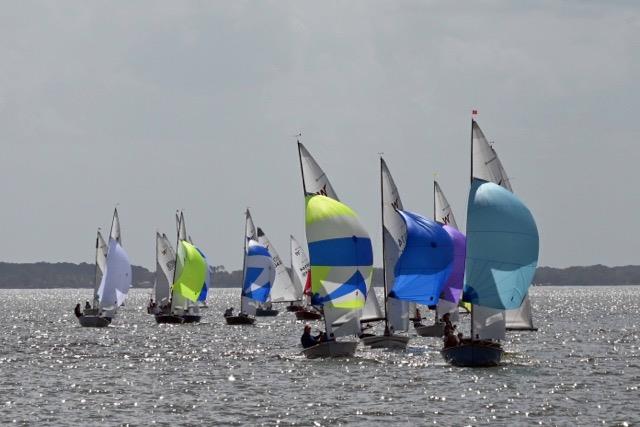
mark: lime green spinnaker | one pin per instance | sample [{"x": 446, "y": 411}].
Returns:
[{"x": 191, "y": 272}]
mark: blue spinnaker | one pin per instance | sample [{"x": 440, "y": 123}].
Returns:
[
  {"x": 502, "y": 247},
  {"x": 425, "y": 263}
]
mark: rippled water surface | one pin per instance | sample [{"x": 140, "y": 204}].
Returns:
[{"x": 581, "y": 368}]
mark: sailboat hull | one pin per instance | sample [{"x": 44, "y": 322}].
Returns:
[
  {"x": 263, "y": 312},
  {"x": 294, "y": 308},
  {"x": 331, "y": 349},
  {"x": 435, "y": 330},
  {"x": 239, "y": 320},
  {"x": 308, "y": 315},
  {"x": 169, "y": 318},
  {"x": 191, "y": 318},
  {"x": 94, "y": 321},
  {"x": 474, "y": 354},
  {"x": 523, "y": 329},
  {"x": 394, "y": 341}
]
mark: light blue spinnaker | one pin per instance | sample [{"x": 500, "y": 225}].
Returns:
[
  {"x": 425, "y": 263},
  {"x": 502, "y": 247}
]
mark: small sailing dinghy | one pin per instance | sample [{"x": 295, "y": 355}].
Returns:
[
  {"x": 341, "y": 260},
  {"x": 188, "y": 275},
  {"x": 301, "y": 277},
  {"x": 114, "y": 268},
  {"x": 501, "y": 258},
  {"x": 258, "y": 274},
  {"x": 283, "y": 289},
  {"x": 452, "y": 291}
]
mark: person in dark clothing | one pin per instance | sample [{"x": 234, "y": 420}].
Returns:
[
  {"x": 306, "y": 339},
  {"x": 77, "y": 310},
  {"x": 228, "y": 312},
  {"x": 87, "y": 306},
  {"x": 448, "y": 326}
]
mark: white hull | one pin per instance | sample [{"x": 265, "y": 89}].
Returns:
[
  {"x": 435, "y": 330},
  {"x": 393, "y": 341},
  {"x": 331, "y": 349}
]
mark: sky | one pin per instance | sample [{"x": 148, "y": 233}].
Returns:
[{"x": 194, "y": 105}]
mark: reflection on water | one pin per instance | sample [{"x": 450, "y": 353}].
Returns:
[{"x": 581, "y": 368}]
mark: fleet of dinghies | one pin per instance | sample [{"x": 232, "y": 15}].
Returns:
[{"x": 427, "y": 262}]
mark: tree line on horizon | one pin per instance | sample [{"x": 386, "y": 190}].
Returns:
[{"x": 69, "y": 275}]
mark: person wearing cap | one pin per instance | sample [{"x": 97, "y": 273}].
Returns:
[{"x": 306, "y": 339}]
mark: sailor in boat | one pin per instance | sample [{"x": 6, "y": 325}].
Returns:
[
  {"x": 306, "y": 339},
  {"x": 77, "y": 311},
  {"x": 151, "y": 308},
  {"x": 448, "y": 326},
  {"x": 87, "y": 306},
  {"x": 450, "y": 340},
  {"x": 229, "y": 312},
  {"x": 417, "y": 320}
]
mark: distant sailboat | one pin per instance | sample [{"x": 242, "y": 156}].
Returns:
[
  {"x": 258, "y": 274},
  {"x": 502, "y": 254},
  {"x": 283, "y": 290},
  {"x": 341, "y": 260},
  {"x": 452, "y": 290},
  {"x": 112, "y": 278},
  {"x": 187, "y": 274},
  {"x": 301, "y": 274}
]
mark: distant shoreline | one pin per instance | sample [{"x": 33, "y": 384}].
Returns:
[{"x": 64, "y": 275}]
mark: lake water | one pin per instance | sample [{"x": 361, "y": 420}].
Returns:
[{"x": 581, "y": 368}]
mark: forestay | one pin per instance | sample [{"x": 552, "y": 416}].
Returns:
[
  {"x": 341, "y": 262},
  {"x": 283, "y": 288},
  {"x": 425, "y": 263},
  {"x": 502, "y": 247}
]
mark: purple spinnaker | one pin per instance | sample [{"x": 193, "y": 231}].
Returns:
[{"x": 452, "y": 290}]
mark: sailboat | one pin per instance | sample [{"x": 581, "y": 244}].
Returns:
[
  {"x": 283, "y": 290},
  {"x": 452, "y": 291},
  {"x": 501, "y": 258},
  {"x": 188, "y": 274},
  {"x": 301, "y": 273},
  {"x": 341, "y": 260},
  {"x": 421, "y": 255},
  {"x": 114, "y": 270},
  {"x": 258, "y": 274}
]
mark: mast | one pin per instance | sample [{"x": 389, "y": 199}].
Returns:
[
  {"x": 95, "y": 277},
  {"x": 470, "y": 183},
  {"x": 304, "y": 187},
  {"x": 244, "y": 255},
  {"x": 384, "y": 267},
  {"x": 434, "y": 200}
]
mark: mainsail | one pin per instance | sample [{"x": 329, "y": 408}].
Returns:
[
  {"x": 314, "y": 179},
  {"x": 442, "y": 209},
  {"x": 165, "y": 264},
  {"x": 282, "y": 289},
  {"x": 299, "y": 268},
  {"x": 116, "y": 280},
  {"x": 101, "y": 265},
  {"x": 520, "y": 319},
  {"x": 394, "y": 238},
  {"x": 485, "y": 162},
  {"x": 341, "y": 262}
]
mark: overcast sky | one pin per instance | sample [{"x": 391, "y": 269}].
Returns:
[{"x": 160, "y": 105}]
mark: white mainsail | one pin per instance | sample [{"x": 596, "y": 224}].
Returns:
[
  {"x": 116, "y": 281},
  {"x": 315, "y": 180},
  {"x": 394, "y": 238},
  {"x": 165, "y": 264},
  {"x": 443, "y": 212},
  {"x": 520, "y": 318},
  {"x": 115, "y": 227},
  {"x": 299, "y": 267},
  {"x": 371, "y": 310},
  {"x": 486, "y": 164},
  {"x": 101, "y": 265},
  {"x": 282, "y": 289},
  {"x": 488, "y": 323}
]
